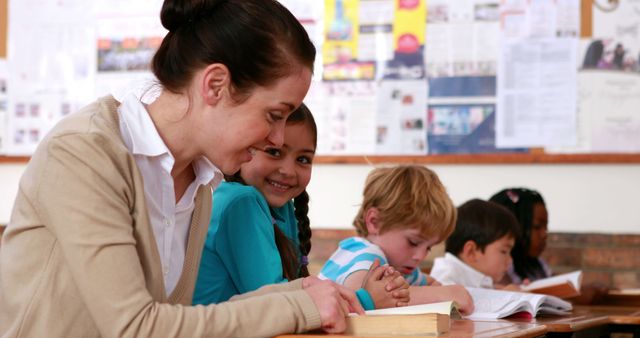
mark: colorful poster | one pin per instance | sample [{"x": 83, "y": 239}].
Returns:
[
  {"x": 408, "y": 41},
  {"x": 463, "y": 129},
  {"x": 340, "y": 48}
]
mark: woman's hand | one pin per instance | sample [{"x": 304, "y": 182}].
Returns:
[
  {"x": 310, "y": 281},
  {"x": 334, "y": 302}
]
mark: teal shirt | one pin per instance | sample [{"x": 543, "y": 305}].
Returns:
[{"x": 240, "y": 253}]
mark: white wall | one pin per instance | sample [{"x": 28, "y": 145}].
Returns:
[{"x": 580, "y": 198}]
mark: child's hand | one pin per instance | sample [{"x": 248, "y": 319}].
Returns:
[
  {"x": 432, "y": 281},
  {"x": 397, "y": 285},
  {"x": 510, "y": 287},
  {"x": 458, "y": 294},
  {"x": 386, "y": 286},
  {"x": 334, "y": 302}
]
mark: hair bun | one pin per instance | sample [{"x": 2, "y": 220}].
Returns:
[{"x": 178, "y": 13}]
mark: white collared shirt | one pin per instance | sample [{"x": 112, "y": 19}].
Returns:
[
  {"x": 170, "y": 220},
  {"x": 451, "y": 270}
]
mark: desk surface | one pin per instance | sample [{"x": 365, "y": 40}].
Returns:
[
  {"x": 617, "y": 315},
  {"x": 582, "y": 318},
  {"x": 587, "y": 317},
  {"x": 463, "y": 328}
]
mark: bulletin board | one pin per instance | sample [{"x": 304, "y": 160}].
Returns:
[{"x": 529, "y": 155}]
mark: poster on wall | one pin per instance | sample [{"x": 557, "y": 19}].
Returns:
[
  {"x": 3, "y": 104},
  {"x": 400, "y": 119},
  {"x": 340, "y": 49},
  {"x": 350, "y": 118},
  {"x": 536, "y": 79},
  {"x": 461, "y": 61},
  {"x": 463, "y": 129},
  {"x": 125, "y": 47},
  {"x": 409, "y": 22},
  {"x": 374, "y": 39},
  {"x": 370, "y": 118},
  {"x": 609, "y": 82},
  {"x": 51, "y": 71},
  {"x": 463, "y": 38}
]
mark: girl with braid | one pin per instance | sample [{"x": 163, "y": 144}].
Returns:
[{"x": 259, "y": 232}]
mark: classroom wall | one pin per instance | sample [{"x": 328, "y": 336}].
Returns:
[
  {"x": 590, "y": 198},
  {"x": 607, "y": 259},
  {"x": 599, "y": 198}
]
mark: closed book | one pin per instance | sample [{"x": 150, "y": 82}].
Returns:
[{"x": 424, "y": 319}]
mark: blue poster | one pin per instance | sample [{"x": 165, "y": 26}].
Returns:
[{"x": 463, "y": 129}]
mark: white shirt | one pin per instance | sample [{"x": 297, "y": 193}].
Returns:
[
  {"x": 170, "y": 220},
  {"x": 451, "y": 270}
]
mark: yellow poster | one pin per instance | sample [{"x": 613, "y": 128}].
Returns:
[
  {"x": 341, "y": 31},
  {"x": 340, "y": 50},
  {"x": 409, "y": 25}
]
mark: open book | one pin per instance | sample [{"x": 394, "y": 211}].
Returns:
[
  {"x": 424, "y": 319},
  {"x": 492, "y": 304},
  {"x": 564, "y": 286}
]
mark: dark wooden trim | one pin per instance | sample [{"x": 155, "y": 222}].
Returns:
[
  {"x": 4, "y": 23},
  {"x": 528, "y": 158},
  {"x": 14, "y": 159},
  {"x": 586, "y": 18}
]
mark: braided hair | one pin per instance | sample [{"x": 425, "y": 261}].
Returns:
[{"x": 520, "y": 202}]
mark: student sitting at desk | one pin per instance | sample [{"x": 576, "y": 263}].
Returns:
[
  {"x": 478, "y": 253},
  {"x": 405, "y": 211},
  {"x": 259, "y": 231},
  {"x": 531, "y": 213},
  {"x": 530, "y": 210}
]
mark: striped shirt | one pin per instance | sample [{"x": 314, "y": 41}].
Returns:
[{"x": 355, "y": 254}]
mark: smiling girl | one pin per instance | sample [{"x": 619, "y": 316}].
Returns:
[
  {"x": 266, "y": 200},
  {"x": 259, "y": 232}
]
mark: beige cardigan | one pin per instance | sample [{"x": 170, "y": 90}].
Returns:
[{"x": 79, "y": 258}]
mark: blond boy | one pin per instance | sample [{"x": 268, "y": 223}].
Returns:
[{"x": 405, "y": 211}]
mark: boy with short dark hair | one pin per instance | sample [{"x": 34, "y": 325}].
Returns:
[{"x": 478, "y": 253}]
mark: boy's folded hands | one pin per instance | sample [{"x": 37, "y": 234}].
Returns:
[{"x": 386, "y": 286}]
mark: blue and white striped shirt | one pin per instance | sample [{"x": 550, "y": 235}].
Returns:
[{"x": 355, "y": 254}]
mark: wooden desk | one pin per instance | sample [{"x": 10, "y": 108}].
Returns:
[
  {"x": 584, "y": 319},
  {"x": 587, "y": 318},
  {"x": 617, "y": 315},
  {"x": 628, "y": 300},
  {"x": 578, "y": 320},
  {"x": 464, "y": 328}
]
